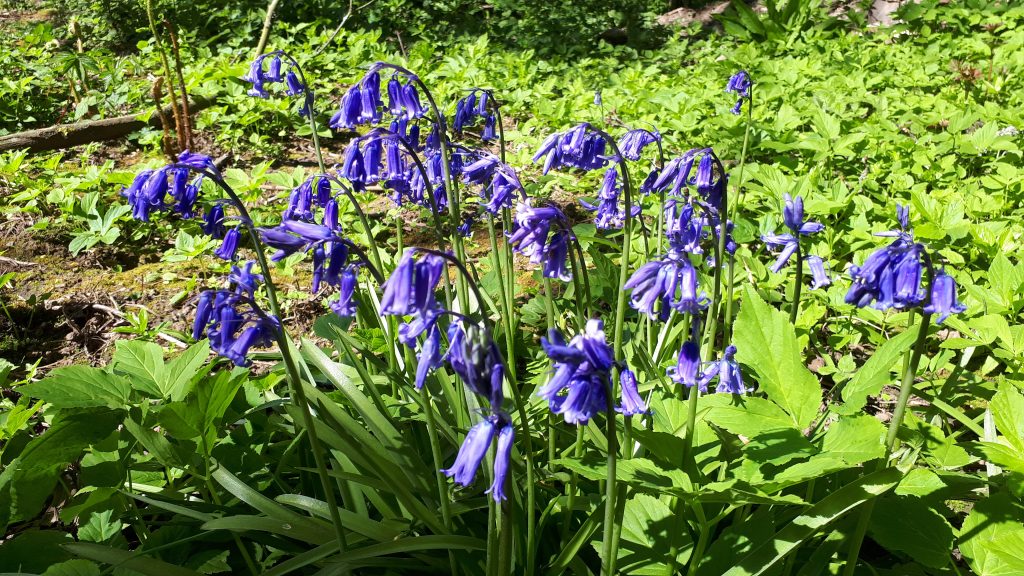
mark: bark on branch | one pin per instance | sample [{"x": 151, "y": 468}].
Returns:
[{"x": 68, "y": 135}]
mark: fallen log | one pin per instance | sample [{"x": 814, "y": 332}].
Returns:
[{"x": 68, "y": 135}]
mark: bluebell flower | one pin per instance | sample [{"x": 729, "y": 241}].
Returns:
[
  {"x": 666, "y": 284},
  {"x": 470, "y": 109},
  {"x": 819, "y": 277},
  {"x": 687, "y": 369},
  {"x": 466, "y": 228},
  {"x": 410, "y": 288},
  {"x": 891, "y": 276},
  {"x": 942, "y": 300},
  {"x": 231, "y": 319},
  {"x": 730, "y": 379},
  {"x": 429, "y": 357},
  {"x": 786, "y": 244},
  {"x": 793, "y": 217},
  {"x": 473, "y": 355},
  {"x": 258, "y": 78},
  {"x": 502, "y": 460},
  {"x": 579, "y": 147},
  {"x": 632, "y": 404},
  {"x": 349, "y": 112},
  {"x": 632, "y": 143},
  {"x": 499, "y": 182},
  {"x": 294, "y": 85},
  {"x": 213, "y": 221},
  {"x": 709, "y": 178},
  {"x": 474, "y": 448},
  {"x": 229, "y": 247},
  {"x": 532, "y": 237},
  {"x": 739, "y": 84},
  {"x": 684, "y": 227},
  {"x": 582, "y": 370},
  {"x": 609, "y": 213}
]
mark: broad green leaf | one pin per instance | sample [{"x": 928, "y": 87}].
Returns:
[
  {"x": 304, "y": 532},
  {"x": 183, "y": 369},
  {"x": 1007, "y": 408},
  {"x": 1002, "y": 455},
  {"x": 919, "y": 482},
  {"x": 766, "y": 343},
  {"x": 745, "y": 415},
  {"x": 647, "y": 531},
  {"x": 353, "y": 558},
  {"x": 829, "y": 509},
  {"x": 869, "y": 379},
  {"x": 136, "y": 561},
  {"x": 80, "y": 387},
  {"x": 910, "y": 525},
  {"x": 27, "y": 482},
  {"x": 855, "y": 439},
  {"x": 142, "y": 364},
  {"x": 77, "y": 567},
  {"x": 992, "y": 537}
]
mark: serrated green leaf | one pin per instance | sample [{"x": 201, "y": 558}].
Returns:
[
  {"x": 869, "y": 379},
  {"x": 855, "y": 439},
  {"x": 908, "y": 524},
  {"x": 1007, "y": 408},
  {"x": 142, "y": 364},
  {"x": 992, "y": 522},
  {"x": 80, "y": 387},
  {"x": 766, "y": 343}
]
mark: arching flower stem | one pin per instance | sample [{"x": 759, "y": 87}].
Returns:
[
  {"x": 284, "y": 344},
  {"x": 906, "y": 389},
  {"x": 308, "y": 95},
  {"x": 731, "y": 277},
  {"x": 363, "y": 221}
]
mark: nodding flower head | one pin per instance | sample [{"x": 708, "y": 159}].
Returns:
[
  {"x": 474, "y": 107},
  {"x": 474, "y": 448},
  {"x": 739, "y": 84},
  {"x": 499, "y": 182},
  {"x": 582, "y": 369},
  {"x": 609, "y": 213},
  {"x": 632, "y": 404},
  {"x": 793, "y": 217},
  {"x": 709, "y": 178},
  {"x": 362, "y": 103},
  {"x": 579, "y": 147},
  {"x": 687, "y": 369},
  {"x": 943, "y": 301},
  {"x": 534, "y": 238},
  {"x": 261, "y": 73},
  {"x": 684, "y": 227},
  {"x": 231, "y": 318},
  {"x": 473, "y": 355},
  {"x": 667, "y": 284},
  {"x": 819, "y": 276},
  {"x": 632, "y": 143},
  {"x": 169, "y": 187},
  {"x": 730, "y": 379},
  {"x": 315, "y": 191},
  {"x": 891, "y": 276},
  {"x": 410, "y": 288}
]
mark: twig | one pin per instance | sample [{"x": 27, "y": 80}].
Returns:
[
  {"x": 13, "y": 262},
  {"x": 344, "y": 19},
  {"x": 187, "y": 128},
  {"x": 118, "y": 314},
  {"x": 267, "y": 23}
]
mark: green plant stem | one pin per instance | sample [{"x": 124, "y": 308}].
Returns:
[
  {"x": 731, "y": 278},
  {"x": 611, "y": 491},
  {"x": 505, "y": 538},
  {"x": 906, "y": 389},
  {"x": 291, "y": 369},
  {"x": 570, "y": 493},
  {"x": 169, "y": 80},
  {"x": 798, "y": 283},
  {"x": 439, "y": 477}
]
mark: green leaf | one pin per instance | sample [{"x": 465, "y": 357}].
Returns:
[
  {"x": 27, "y": 482},
  {"x": 127, "y": 560},
  {"x": 181, "y": 371},
  {"x": 647, "y": 531},
  {"x": 143, "y": 365},
  {"x": 855, "y": 439},
  {"x": 352, "y": 558},
  {"x": 874, "y": 374},
  {"x": 992, "y": 538},
  {"x": 80, "y": 387},
  {"x": 745, "y": 415},
  {"x": 1007, "y": 407},
  {"x": 908, "y": 524},
  {"x": 829, "y": 509},
  {"x": 766, "y": 343},
  {"x": 76, "y": 567}
]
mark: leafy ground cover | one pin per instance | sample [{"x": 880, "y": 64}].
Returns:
[{"x": 866, "y": 440}]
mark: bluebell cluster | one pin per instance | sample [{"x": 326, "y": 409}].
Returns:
[
  {"x": 499, "y": 183},
  {"x": 891, "y": 277},
  {"x": 609, "y": 213},
  {"x": 232, "y": 319},
  {"x": 168, "y": 187},
  {"x": 582, "y": 370},
  {"x": 362, "y": 103},
  {"x": 471, "y": 354},
  {"x": 542, "y": 234},
  {"x": 472, "y": 108},
  {"x": 579, "y": 147},
  {"x": 262, "y": 73}
]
